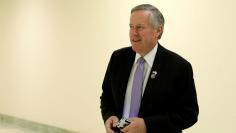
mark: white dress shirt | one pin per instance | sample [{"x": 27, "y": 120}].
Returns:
[{"x": 149, "y": 59}]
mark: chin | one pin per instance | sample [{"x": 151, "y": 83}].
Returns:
[{"x": 135, "y": 49}]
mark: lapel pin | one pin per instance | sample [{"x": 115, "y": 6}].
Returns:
[{"x": 153, "y": 75}]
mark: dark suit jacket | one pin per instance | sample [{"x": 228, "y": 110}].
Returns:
[{"x": 169, "y": 102}]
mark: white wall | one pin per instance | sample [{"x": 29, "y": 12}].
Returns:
[{"x": 53, "y": 56}]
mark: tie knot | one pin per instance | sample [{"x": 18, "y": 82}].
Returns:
[{"x": 141, "y": 60}]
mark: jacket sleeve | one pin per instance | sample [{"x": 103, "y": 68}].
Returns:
[{"x": 107, "y": 102}]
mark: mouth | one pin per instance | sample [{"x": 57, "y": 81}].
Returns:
[{"x": 136, "y": 40}]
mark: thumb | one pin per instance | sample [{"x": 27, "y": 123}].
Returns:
[{"x": 126, "y": 129}]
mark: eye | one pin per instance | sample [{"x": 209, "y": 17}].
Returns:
[
  {"x": 139, "y": 27},
  {"x": 131, "y": 26}
]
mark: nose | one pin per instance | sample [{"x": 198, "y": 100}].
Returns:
[{"x": 134, "y": 32}]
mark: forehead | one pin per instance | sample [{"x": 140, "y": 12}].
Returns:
[{"x": 140, "y": 17}]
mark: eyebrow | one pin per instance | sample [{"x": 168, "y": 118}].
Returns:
[{"x": 137, "y": 24}]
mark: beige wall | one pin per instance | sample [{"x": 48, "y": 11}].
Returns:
[{"x": 53, "y": 56}]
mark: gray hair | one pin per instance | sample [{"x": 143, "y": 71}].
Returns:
[{"x": 156, "y": 19}]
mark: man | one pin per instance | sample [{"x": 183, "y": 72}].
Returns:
[{"x": 167, "y": 102}]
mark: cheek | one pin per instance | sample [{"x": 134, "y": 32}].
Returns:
[
  {"x": 146, "y": 36},
  {"x": 131, "y": 33},
  {"x": 151, "y": 35}
]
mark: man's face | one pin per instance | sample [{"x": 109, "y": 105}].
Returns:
[{"x": 143, "y": 36}]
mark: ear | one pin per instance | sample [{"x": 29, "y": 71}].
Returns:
[{"x": 159, "y": 31}]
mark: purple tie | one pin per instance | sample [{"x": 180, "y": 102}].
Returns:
[{"x": 136, "y": 94}]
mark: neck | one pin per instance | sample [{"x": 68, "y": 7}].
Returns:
[{"x": 146, "y": 52}]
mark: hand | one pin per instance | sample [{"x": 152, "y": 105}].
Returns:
[
  {"x": 111, "y": 123},
  {"x": 137, "y": 125}
]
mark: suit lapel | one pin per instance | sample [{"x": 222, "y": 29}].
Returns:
[
  {"x": 126, "y": 70},
  {"x": 155, "y": 72}
]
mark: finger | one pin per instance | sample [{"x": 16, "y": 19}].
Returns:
[
  {"x": 126, "y": 129},
  {"x": 115, "y": 121},
  {"x": 108, "y": 125},
  {"x": 114, "y": 124},
  {"x": 109, "y": 130}
]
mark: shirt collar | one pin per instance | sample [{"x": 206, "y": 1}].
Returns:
[{"x": 149, "y": 57}]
